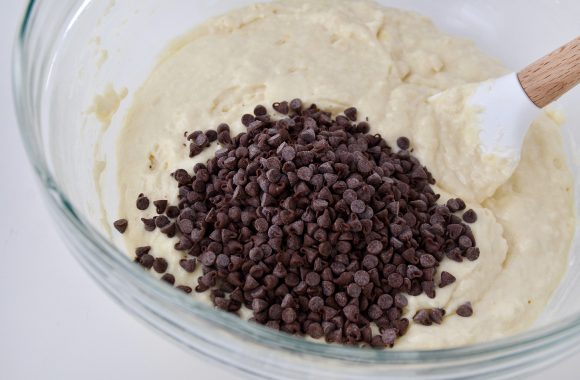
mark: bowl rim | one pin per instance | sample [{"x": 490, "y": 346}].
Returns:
[{"x": 534, "y": 339}]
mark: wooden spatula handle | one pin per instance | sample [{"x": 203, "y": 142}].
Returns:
[{"x": 553, "y": 75}]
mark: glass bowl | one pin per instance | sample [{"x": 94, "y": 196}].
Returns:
[{"x": 68, "y": 51}]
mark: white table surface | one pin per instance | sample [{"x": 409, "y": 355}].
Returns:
[{"x": 55, "y": 323}]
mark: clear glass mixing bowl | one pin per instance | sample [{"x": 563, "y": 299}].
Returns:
[{"x": 68, "y": 50}]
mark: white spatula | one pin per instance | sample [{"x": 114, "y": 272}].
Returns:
[{"x": 509, "y": 104}]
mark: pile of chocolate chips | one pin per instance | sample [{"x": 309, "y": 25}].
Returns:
[{"x": 313, "y": 223}]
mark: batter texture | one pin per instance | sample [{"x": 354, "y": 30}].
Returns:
[{"x": 388, "y": 63}]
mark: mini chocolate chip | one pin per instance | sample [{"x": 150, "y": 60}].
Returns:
[
  {"x": 161, "y": 221},
  {"x": 465, "y": 242},
  {"x": 403, "y": 143},
  {"x": 446, "y": 279},
  {"x": 400, "y": 301},
  {"x": 140, "y": 251},
  {"x": 223, "y": 128},
  {"x": 470, "y": 216},
  {"x": 353, "y": 290},
  {"x": 422, "y": 317},
  {"x": 429, "y": 288},
  {"x": 142, "y": 202},
  {"x": 288, "y": 153},
  {"x": 260, "y": 110},
  {"x": 395, "y": 280},
  {"x": 388, "y": 336},
  {"x": 375, "y": 247},
  {"x": 259, "y": 305},
  {"x": 436, "y": 315},
  {"x": 427, "y": 261},
  {"x": 351, "y": 113},
  {"x": 288, "y": 315},
  {"x": 169, "y": 278},
  {"x": 201, "y": 141},
  {"x": 472, "y": 253},
  {"x": 312, "y": 279},
  {"x": 315, "y": 304},
  {"x": 358, "y": 206},
  {"x": 172, "y": 212},
  {"x": 211, "y": 135},
  {"x": 281, "y": 107},
  {"x": 304, "y": 173},
  {"x": 370, "y": 261},
  {"x": 465, "y": 310},
  {"x": 160, "y": 206},
  {"x": 146, "y": 260},
  {"x": 149, "y": 224},
  {"x": 261, "y": 225},
  {"x": 184, "y": 288},
  {"x": 351, "y": 312},
  {"x": 160, "y": 265},
  {"x": 121, "y": 225},
  {"x": 385, "y": 301},
  {"x": 208, "y": 258},
  {"x": 296, "y": 105},
  {"x": 247, "y": 119},
  {"x": 361, "y": 277},
  {"x": 188, "y": 265}
]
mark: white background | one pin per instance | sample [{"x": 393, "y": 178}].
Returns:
[{"x": 55, "y": 323}]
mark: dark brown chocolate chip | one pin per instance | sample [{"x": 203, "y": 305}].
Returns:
[
  {"x": 223, "y": 128},
  {"x": 247, "y": 119},
  {"x": 436, "y": 315},
  {"x": 296, "y": 105},
  {"x": 142, "y": 202},
  {"x": 148, "y": 224},
  {"x": 428, "y": 288},
  {"x": 140, "y": 251},
  {"x": 161, "y": 221},
  {"x": 472, "y": 253},
  {"x": 361, "y": 278},
  {"x": 211, "y": 135},
  {"x": 465, "y": 242},
  {"x": 172, "y": 212},
  {"x": 169, "y": 278},
  {"x": 401, "y": 301},
  {"x": 388, "y": 337},
  {"x": 146, "y": 260},
  {"x": 281, "y": 107},
  {"x": 188, "y": 265},
  {"x": 358, "y": 206},
  {"x": 470, "y": 216},
  {"x": 260, "y": 110},
  {"x": 385, "y": 301},
  {"x": 446, "y": 279},
  {"x": 422, "y": 317},
  {"x": 375, "y": 247},
  {"x": 121, "y": 225},
  {"x": 403, "y": 143},
  {"x": 395, "y": 280},
  {"x": 160, "y": 206},
  {"x": 352, "y": 313},
  {"x": 351, "y": 113},
  {"x": 288, "y": 315},
  {"x": 353, "y": 290},
  {"x": 184, "y": 288},
  {"x": 160, "y": 265},
  {"x": 427, "y": 261},
  {"x": 465, "y": 310}
]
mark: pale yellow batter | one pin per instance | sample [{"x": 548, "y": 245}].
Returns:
[{"x": 388, "y": 63}]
